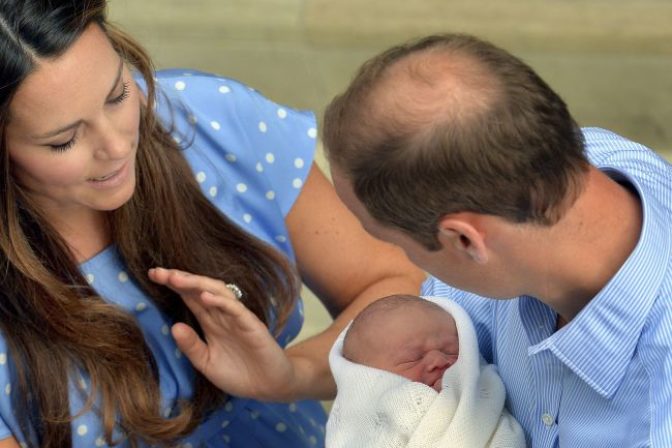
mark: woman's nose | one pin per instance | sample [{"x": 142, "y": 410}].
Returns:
[{"x": 111, "y": 142}]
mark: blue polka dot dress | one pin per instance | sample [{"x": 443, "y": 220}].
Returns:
[{"x": 251, "y": 158}]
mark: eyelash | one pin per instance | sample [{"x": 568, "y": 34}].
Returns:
[
  {"x": 118, "y": 100},
  {"x": 123, "y": 96},
  {"x": 65, "y": 146}
]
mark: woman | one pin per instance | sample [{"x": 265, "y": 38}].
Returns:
[{"x": 96, "y": 190}]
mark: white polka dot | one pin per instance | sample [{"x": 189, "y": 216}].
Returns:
[
  {"x": 225, "y": 423},
  {"x": 8, "y": 389},
  {"x": 231, "y": 158},
  {"x": 180, "y": 85},
  {"x": 100, "y": 441},
  {"x": 123, "y": 277},
  {"x": 228, "y": 407},
  {"x": 90, "y": 278},
  {"x": 282, "y": 113},
  {"x": 281, "y": 427},
  {"x": 260, "y": 167},
  {"x": 226, "y": 438},
  {"x": 254, "y": 415},
  {"x": 246, "y": 217},
  {"x": 23, "y": 445},
  {"x": 262, "y": 127},
  {"x": 299, "y": 163},
  {"x": 270, "y": 195},
  {"x": 224, "y": 89},
  {"x": 200, "y": 177},
  {"x": 215, "y": 125},
  {"x": 312, "y": 440},
  {"x": 312, "y": 133},
  {"x": 3, "y": 358},
  {"x": 141, "y": 306},
  {"x": 192, "y": 119},
  {"x": 270, "y": 157},
  {"x": 213, "y": 191},
  {"x": 165, "y": 330},
  {"x": 242, "y": 188},
  {"x": 178, "y": 353},
  {"x": 281, "y": 239},
  {"x": 187, "y": 445},
  {"x": 167, "y": 412},
  {"x": 297, "y": 183},
  {"x": 82, "y": 430},
  {"x": 292, "y": 407}
]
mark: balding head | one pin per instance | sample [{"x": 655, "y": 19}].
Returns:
[{"x": 450, "y": 123}]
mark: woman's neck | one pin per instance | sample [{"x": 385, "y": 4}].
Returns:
[{"x": 86, "y": 233}]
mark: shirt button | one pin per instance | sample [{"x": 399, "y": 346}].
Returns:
[{"x": 547, "y": 419}]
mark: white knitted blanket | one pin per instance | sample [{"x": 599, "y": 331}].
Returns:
[{"x": 379, "y": 409}]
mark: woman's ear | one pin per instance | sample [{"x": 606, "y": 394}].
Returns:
[{"x": 463, "y": 232}]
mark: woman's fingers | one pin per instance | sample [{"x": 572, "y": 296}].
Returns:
[
  {"x": 185, "y": 283},
  {"x": 191, "y": 345}
]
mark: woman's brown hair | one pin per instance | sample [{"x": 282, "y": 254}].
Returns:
[{"x": 54, "y": 323}]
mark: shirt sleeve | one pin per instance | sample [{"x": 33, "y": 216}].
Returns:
[{"x": 654, "y": 349}]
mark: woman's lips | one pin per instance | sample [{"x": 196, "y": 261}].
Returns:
[{"x": 110, "y": 180}]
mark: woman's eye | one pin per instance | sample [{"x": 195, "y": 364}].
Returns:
[
  {"x": 122, "y": 96},
  {"x": 64, "y": 146}
]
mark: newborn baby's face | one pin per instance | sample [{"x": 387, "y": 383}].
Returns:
[{"x": 415, "y": 342}]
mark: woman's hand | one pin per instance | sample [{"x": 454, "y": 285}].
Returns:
[{"x": 239, "y": 355}]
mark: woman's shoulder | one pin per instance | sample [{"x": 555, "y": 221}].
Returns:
[
  {"x": 208, "y": 93},
  {"x": 256, "y": 149}
]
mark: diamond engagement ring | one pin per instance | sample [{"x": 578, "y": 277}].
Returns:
[{"x": 235, "y": 290}]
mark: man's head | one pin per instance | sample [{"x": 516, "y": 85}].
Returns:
[
  {"x": 451, "y": 124},
  {"x": 406, "y": 335}
]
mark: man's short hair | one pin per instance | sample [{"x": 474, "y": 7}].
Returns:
[{"x": 450, "y": 123}]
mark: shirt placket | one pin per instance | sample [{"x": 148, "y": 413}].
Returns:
[{"x": 547, "y": 372}]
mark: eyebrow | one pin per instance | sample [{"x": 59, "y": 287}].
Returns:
[{"x": 78, "y": 122}]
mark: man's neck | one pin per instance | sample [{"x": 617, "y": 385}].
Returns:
[{"x": 575, "y": 258}]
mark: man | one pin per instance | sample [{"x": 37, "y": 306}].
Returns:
[{"x": 459, "y": 153}]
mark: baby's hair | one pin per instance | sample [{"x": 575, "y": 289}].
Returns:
[{"x": 376, "y": 310}]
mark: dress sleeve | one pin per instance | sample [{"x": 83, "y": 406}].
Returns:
[
  {"x": 258, "y": 147},
  {"x": 7, "y": 420}
]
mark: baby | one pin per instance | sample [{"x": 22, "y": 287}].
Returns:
[
  {"x": 406, "y": 335},
  {"x": 409, "y": 374}
]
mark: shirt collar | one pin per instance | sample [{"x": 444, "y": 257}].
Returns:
[{"x": 600, "y": 341}]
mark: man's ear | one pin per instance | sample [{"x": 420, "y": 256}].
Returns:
[{"x": 464, "y": 233}]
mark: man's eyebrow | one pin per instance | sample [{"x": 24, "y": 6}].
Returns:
[{"x": 78, "y": 122}]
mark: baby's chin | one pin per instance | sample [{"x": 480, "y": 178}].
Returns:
[{"x": 438, "y": 384}]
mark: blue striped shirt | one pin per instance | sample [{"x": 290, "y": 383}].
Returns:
[{"x": 604, "y": 379}]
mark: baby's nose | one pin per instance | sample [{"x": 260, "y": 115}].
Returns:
[{"x": 436, "y": 359}]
